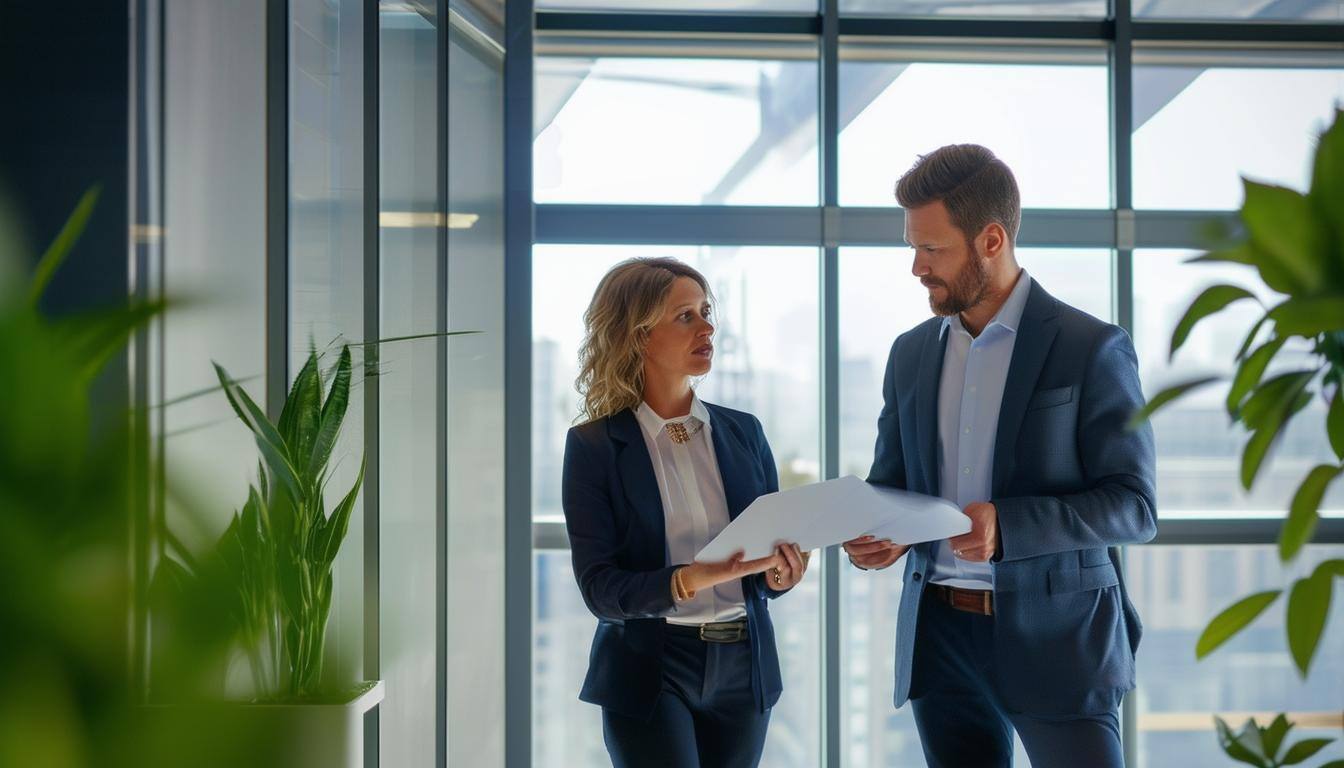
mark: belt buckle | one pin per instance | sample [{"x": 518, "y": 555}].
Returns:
[{"x": 721, "y": 633}]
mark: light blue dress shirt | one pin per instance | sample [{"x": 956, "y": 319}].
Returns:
[{"x": 969, "y": 396}]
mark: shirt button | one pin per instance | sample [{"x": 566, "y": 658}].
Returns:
[{"x": 965, "y": 470}]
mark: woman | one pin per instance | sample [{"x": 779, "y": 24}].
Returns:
[{"x": 683, "y": 663}]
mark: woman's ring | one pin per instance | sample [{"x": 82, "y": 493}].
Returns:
[{"x": 778, "y": 578}]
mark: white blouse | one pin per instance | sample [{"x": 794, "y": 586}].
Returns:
[{"x": 695, "y": 508}]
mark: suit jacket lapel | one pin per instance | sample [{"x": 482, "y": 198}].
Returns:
[
  {"x": 638, "y": 480},
  {"x": 730, "y": 452},
  {"x": 926, "y": 407},
  {"x": 1035, "y": 335}
]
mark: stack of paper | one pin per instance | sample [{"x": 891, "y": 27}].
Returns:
[{"x": 834, "y": 511}]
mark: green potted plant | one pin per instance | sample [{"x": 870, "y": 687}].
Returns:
[{"x": 1295, "y": 242}]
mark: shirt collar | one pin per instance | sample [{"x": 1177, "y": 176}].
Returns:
[
  {"x": 653, "y": 423},
  {"x": 1009, "y": 315}
]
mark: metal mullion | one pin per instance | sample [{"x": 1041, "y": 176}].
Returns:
[
  {"x": 829, "y": 127},
  {"x": 677, "y": 23},
  {"x": 518, "y": 238},
  {"x": 277, "y": 206},
  {"x": 1036, "y": 29},
  {"x": 371, "y": 331},
  {"x": 1238, "y": 31}
]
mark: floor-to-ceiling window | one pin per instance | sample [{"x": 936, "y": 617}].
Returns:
[{"x": 760, "y": 141}]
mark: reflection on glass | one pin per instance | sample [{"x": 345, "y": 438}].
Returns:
[
  {"x": 1176, "y": 591},
  {"x": 408, "y": 501},
  {"x": 880, "y": 300},
  {"x": 1024, "y": 8},
  {"x": 767, "y": 364},
  {"x": 675, "y": 131},
  {"x": 326, "y": 256},
  {"x": 1198, "y": 129},
  {"x": 1050, "y": 125},
  {"x": 1241, "y": 10},
  {"x": 1198, "y": 452}
]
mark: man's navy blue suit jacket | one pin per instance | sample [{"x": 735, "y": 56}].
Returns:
[{"x": 1070, "y": 484}]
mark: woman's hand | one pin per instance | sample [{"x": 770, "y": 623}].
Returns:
[
  {"x": 790, "y": 572},
  {"x": 698, "y": 576}
]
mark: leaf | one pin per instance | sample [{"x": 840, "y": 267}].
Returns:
[
  {"x": 1166, "y": 396},
  {"x": 1302, "y": 515},
  {"x": 1232, "y": 620},
  {"x": 1327, "y": 177},
  {"x": 1232, "y": 745},
  {"x": 1334, "y": 764},
  {"x": 269, "y": 442},
  {"x": 1284, "y": 227},
  {"x": 1250, "y": 337},
  {"x": 1273, "y": 395},
  {"x": 1330, "y": 568},
  {"x": 1249, "y": 373},
  {"x": 333, "y": 533},
  {"x": 60, "y": 248},
  {"x": 1274, "y": 735},
  {"x": 1213, "y": 299},
  {"x": 1303, "y": 750},
  {"x": 1334, "y": 423},
  {"x": 1275, "y": 275},
  {"x": 288, "y": 426},
  {"x": 1257, "y": 448},
  {"x": 1308, "y": 315},
  {"x": 333, "y": 414},
  {"x": 1308, "y": 606}
]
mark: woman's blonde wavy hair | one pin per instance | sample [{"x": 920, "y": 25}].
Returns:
[{"x": 628, "y": 303}]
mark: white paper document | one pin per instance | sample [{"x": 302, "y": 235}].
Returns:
[{"x": 834, "y": 511}]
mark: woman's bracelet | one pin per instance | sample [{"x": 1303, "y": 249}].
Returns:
[{"x": 680, "y": 593}]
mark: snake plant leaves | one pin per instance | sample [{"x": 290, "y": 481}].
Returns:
[
  {"x": 1303, "y": 514},
  {"x": 1308, "y": 606},
  {"x": 1232, "y": 620},
  {"x": 269, "y": 442},
  {"x": 332, "y": 415},
  {"x": 1287, "y": 232},
  {"x": 1249, "y": 373},
  {"x": 332, "y": 533},
  {"x": 1212, "y": 300},
  {"x": 1167, "y": 396},
  {"x": 290, "y": 412}
]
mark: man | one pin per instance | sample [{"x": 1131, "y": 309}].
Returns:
[{"x": 1013, "y": 405}]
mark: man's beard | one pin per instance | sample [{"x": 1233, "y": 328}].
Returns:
[{"x": 968, "y": 288}]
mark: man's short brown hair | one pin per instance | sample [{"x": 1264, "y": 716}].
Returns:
[{"x": 976, "y": 187}]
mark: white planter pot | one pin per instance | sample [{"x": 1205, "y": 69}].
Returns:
[{"x": 319, "y": 735}]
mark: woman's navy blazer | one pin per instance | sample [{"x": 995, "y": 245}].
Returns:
[{"x": 614, "y": 516}]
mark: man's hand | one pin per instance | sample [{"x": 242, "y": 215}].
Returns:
[
  {"x": 871, "y": 554},
  {"x": 982, "y": 542}
]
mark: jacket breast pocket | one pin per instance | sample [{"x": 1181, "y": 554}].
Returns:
[{"x": 1049, "y": 398}]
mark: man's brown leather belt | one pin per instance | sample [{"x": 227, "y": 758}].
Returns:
[{"x": 979, "y": 601}]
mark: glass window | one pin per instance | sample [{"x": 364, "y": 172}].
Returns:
[
  {"x": 766, "y": 364},
  {"x": 1176, "y": 591},
  {"x": 880, "y": 300},
  {"x": 326, "y": 257},
  {"x": 214, "y": 96},
  {"x": 1198, "y": 129},
  {"x": 1024, "y": 8},
  {"x": 1241, "y": 10},
  {"x": 407, "y": 438},
  {"x": 1049, "y": 123},
  {"x": 1198, "y": 452},
  {"x": 676, "y": 131}
]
